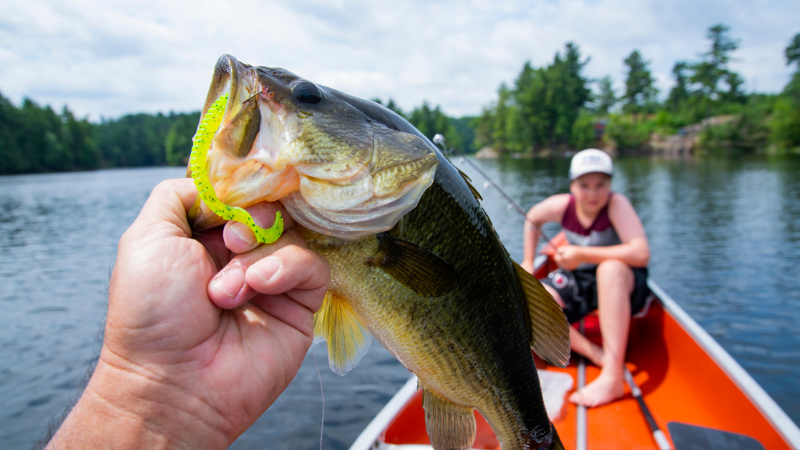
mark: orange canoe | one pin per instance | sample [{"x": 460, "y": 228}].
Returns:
[{"x": 698, "y": 395}]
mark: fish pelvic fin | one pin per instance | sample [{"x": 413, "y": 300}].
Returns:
[
  {"x": 549, "y": 330},
  {"x": 340, "y": 326},
  {"x": 413, "y": 266},
  {"x": 450, "y": 427}
]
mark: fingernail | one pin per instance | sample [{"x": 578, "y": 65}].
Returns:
[
  {"x": 267, "y": 268},
  {"x": 244, "y": 233},
  {"x": 228, "y": 283}
]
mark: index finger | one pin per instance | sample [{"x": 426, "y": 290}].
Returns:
[{"x": 166, "y": 209}]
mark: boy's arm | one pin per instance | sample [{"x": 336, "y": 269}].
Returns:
[
  {"x": 548, "y": 210},
  {"x": 634, "y": 250}
]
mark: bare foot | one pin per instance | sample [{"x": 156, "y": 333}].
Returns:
[{"x": 604, "y": 389}]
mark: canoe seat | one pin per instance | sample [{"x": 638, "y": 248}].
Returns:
[{"x": 693, "y": 437}]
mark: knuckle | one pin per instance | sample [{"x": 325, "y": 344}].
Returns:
[
  {"x": 293, "y": 238},
  {"x": 162, "y": 188}
]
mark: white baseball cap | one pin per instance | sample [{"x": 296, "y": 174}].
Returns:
[{"x": 588, "y": 161}]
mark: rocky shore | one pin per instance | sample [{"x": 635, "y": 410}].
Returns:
[{"x": 684, "y": 143}]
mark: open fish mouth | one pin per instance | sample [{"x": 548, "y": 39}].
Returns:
[{"x": 335, "y": 170}]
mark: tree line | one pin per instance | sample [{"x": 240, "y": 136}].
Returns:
[
  {"x": 35, "y": 139},
  {"x": 553, "y": 107},
  {"x": 549, "y": 107}
]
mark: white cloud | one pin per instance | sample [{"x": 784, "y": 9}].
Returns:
[{"x": 107, "y": 58}]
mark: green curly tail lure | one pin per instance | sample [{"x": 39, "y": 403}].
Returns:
[{"x": 198, "y": 162}]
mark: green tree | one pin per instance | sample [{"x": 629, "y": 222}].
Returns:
[
  {"x": 37, "y": 139},
  {"x": 77, "y": 136},
  {"x": 484, "y": 127},
  {"x": 503, "y": 112},
  {"x": 549, "y": 100},
  {"x": 792, "y": 51},
  {"x": 583, "y": 134},
  {"x": 10, "y": 158},
  {"x": 432, "y": 121},
  {"x": 785, "y": 122},
  {"x": 607, "y": 97},
  {"x": 178, "y": 142},
  {"x": 713, "y": 68},
  {"x": 640, "y": 94},
  {"x": 627, "y": 133},
  {"x": 679, "y": 93},
  {"x": 530, "y": 92},
  {"x": 466, "y": 131}
]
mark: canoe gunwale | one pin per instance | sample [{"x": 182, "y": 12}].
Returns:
[
  {"x": 378, "y": 425},
  {"x": 768, "y": 407}
]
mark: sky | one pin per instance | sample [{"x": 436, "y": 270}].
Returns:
[{"x": 106, "y": 58}]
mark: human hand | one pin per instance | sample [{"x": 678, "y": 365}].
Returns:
[
  {"x": 199, "y": 341},
  {"x": 569, "y": 257}
]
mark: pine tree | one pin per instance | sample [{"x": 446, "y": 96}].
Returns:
[
  {"x": 607, "y": 97},
  {"x": 640, "y": 94}
]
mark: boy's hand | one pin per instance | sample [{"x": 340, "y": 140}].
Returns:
[{"x": 569, "y": 257}]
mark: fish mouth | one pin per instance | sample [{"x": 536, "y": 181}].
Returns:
[{"x": 335, "y": 171}]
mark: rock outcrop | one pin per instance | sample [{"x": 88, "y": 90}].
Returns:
[{"x": 686, "y": 141}]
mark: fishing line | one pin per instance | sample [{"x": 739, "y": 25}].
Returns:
[
  {"x": 322, "y": 422},
  {"x": 442, "y": 142}
]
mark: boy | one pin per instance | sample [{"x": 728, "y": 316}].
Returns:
[{"x": 603, "y": 268}]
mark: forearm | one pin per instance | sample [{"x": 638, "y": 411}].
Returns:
[
  {"x": 632, "y": 254},
  {"x": 531, "y": 237},
  {"x": 124, "y": 410}
]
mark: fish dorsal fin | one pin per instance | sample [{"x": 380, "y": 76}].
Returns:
[
  {"x": 472, "y": 189},
  {"x": 415, "y": 267},
  {"x": 549, "y": 330},
  {"x": 348, "y": 338},
  {"x": 449, "y": 426}
]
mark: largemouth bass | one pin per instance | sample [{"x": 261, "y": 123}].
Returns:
[{"x": 414, "y": 259}]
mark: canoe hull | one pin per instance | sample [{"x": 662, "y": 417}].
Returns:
[{"x": 681, "y": 381}]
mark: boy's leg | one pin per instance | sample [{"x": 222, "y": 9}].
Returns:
[
  {"x": 614, "y": 286},
  {"x": 578, "y": 342}
]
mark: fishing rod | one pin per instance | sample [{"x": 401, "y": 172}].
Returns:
[{"x": 442, "y": 143}]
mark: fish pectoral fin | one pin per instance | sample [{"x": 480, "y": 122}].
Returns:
[
  {"x": 472, "y": 189},
  {"x": 449, "y": 426},
  {"x": 549, "y": 330},
  {"x": 415, "y": 267},
  {"x": 348, "y": 338}
]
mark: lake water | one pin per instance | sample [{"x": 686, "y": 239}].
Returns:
[{"x": 724, "y": 234}]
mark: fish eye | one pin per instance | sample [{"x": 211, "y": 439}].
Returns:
[{"x": 306, "y": 92}]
